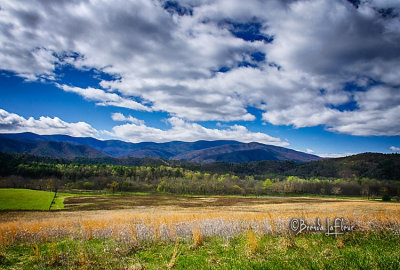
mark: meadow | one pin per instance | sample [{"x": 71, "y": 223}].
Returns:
[
  {"x": 25, "y": 199},
  {"x": 144, "y": 231}
]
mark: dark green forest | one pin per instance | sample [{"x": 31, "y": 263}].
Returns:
[{"x": 366, "y": 174}]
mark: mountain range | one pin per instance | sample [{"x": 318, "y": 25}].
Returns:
[{"x": 63, "y": 146}]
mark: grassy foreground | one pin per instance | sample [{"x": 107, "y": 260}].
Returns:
[
  {"x": 181, "y": 232},
  {"x": 246, "y": 251},
  {"x": 25, "y": 199}
]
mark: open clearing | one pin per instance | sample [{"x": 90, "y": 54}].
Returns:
[
  {"x": 94, "y": 205},
  {"x": 113, "y": 202},
  {"x": 25, "y": 199}
]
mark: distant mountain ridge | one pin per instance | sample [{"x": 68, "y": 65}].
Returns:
[
  {"x": 48, "y": 149},
  {"x": 244, "y": 152},
  {"x": 63, "y": 146}
]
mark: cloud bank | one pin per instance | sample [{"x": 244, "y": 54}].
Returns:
[
  {"x": 135, "y": 130},
  {"x": 181, "y": 130},
  {"x": 302, "y": 63},
  {"x": 11, "y": 122}
]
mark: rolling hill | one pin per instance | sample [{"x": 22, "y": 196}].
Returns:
[
  {"x": 244, "y": 152},
  {"x": 369, "y": 165},
  {"x": 63, "y": 146},
  {"x": 48, "y": 149}
]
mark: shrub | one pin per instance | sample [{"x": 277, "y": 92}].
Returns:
[{"x": 386, "y": 198}]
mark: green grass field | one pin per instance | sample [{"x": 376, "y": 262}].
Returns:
[
  {"x": 25, "y": 199},
  {"x": 314, "y": 251}
]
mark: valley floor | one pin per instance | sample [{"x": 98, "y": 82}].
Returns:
[{"x": 144, "y": 231}]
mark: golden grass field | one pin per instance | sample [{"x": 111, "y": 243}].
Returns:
[{"x": 193, "y": 217}]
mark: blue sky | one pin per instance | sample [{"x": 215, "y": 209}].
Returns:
[{"x": 316, "y": 76}]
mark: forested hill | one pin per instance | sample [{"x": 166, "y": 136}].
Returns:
[
  {"x": 366, "y": 165},
  {"x": 370, "y": 165},
  {"x": 62, "y": 146}
]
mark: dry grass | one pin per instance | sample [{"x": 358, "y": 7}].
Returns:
[
  {"x": 36, "y": 252},
  {"x": 175, "y": 255},
  {"x": 170, "y": 223},
  {"x": 252, "y": 242},
  {"x": 339, "y": 242},
  {"x": 289, "y": 241},
  {"x": 197, "y": 237}
]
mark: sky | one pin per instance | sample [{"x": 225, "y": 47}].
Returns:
[{"x": 317, "y": 76}]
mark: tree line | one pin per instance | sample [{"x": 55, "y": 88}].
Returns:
[{"x": 21, "y": 171}]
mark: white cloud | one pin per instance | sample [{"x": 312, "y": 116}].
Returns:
[
  {"x": 103, "y": 98},
  {"x": 11, "y": 122},
  {"x": 395, "y": 149},
  {"x": 339, "y": 44},
  {"x": 170, "y": 61},
  {"x": 134, "y": 131},
  {"x": 184, "y": 131},
  {"x": 310, "y": 151},
  {"x": 335, "y": 155},
  {"x": 123, "y": 118}
]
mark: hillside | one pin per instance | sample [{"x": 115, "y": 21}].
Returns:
[
  {"x": 248, "y": 152},
  {"x": 369, "y": 165},
  {"x": 372, "y": 165},
  {"x": 48, "y": 149},
  {"x": 62, "y": 146}
]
